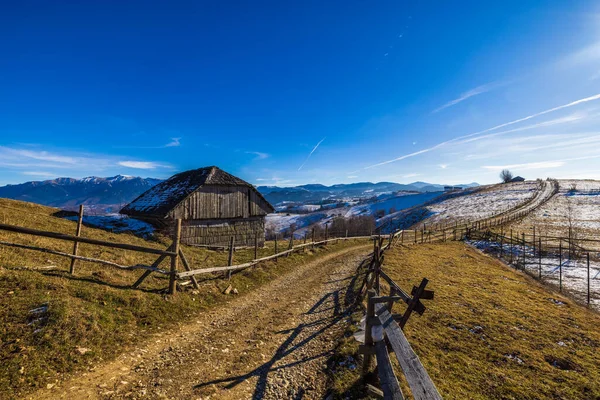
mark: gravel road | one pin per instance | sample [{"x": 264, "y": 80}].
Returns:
[{"x": 273, "y": 343}]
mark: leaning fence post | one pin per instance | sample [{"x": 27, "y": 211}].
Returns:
[
  {"x": 230, "y": 256},
  {"x": 175, "y": 257},
  {"x": 77, "y": 233}
]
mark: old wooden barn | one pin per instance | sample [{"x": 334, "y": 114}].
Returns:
[{"x": 213, "y": 205}]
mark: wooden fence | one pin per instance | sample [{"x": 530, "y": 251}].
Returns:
[
  {"x": 173, "y": 252},
  {"x": 383, "y": 331},
  {"x": 549, "y": 189},
  {"x": 545, "y": 258}
]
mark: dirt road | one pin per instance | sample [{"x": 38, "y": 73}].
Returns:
[{"x": 273, "y": 343}]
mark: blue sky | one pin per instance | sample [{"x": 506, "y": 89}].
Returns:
[{"x": 287, "y": 93}]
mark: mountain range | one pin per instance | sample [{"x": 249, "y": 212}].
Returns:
[
  {"x": 99, "y": 195},
  {"x": 319, "y": 193},
  {"x": 108, "y": 195}
]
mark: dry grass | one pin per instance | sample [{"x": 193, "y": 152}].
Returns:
[
  {"x": 95, "y": 309},
  {"x": 492, "y": 332}
]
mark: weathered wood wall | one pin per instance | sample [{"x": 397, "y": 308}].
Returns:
[
  {"x": 215, "y": 202},
  {"x": 218, "y": 232}
]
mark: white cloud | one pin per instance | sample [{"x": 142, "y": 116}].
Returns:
[
  {"x": 39, "y": 173},
  {"x": 175, "y": 142},
  {"x": 532, "y": 165},
  {"x": 311, "y": 152},
  {"x": 352, "y": 176},
  {"x": 258, "y": 154},
  {"x": 466, "y": 95},
  {"x": 38, "y": 155},
  {"x": 443, "y": 166},
  {"x": 461, "y": 138},
  {"x": 141, "y": 164},
  {"x": 410, "y": 175}
]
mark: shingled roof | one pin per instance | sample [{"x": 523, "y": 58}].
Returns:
[{"x": 162, "y": 198}]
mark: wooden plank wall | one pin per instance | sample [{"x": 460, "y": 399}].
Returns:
[
  {"x": 219, "y": 232},
  {"x": 213, "y": 202}
]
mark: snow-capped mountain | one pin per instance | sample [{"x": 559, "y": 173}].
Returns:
[
  {"x": 101, "y": 195},
  {"x": 109, "y": 195},
  {"x": 317, "y": 192}
]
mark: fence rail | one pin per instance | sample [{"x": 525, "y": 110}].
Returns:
[
  {"x": 173, "y": 252},
  {"x": 383, "y": 329}
]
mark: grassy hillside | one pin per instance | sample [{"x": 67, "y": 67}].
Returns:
[
  {"x": 52, "y": 323},
  {"x": 492, "y": 332}
]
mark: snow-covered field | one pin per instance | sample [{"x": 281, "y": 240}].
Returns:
[
  {"x": 483, "y": 203},
  {"x": 117, "y": 223},
  {"x": 553, "y": 217},
  {"x": 280, "y": 222},
  {"x": 574, "y": 271}
]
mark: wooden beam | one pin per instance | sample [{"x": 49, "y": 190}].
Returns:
[
  {"x": 89, "y": 259},
  {"x": 186, "y": 266},
  {"x": 387, "y": 378},
  {"x": 146, "y": 274},
  {"x": 175, "y": 258},
  {"x": 72, "y": 238},
  {"x": 421, "y": 385},
  {"x": 76, "y": 244}
]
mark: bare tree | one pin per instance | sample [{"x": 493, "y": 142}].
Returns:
[
  {"x": 572, "y": 225},
  {"x": 506, "y": 176}
]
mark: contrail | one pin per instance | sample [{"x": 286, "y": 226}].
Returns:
[
  {"x": 310, "y": 154},
  {"x": 574, "y": 103}
]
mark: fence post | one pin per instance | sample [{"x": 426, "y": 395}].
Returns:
[
  {"x": 230, "y": 256},
  {"x": 326, "y": 231},
  {"x": 368, "y": 337},
  {"x": 291, "y": 244},
  {"x": 313, "y": 237},
  {"x": 256, "y": 245},
  {"x": 540, "y": 257},
  {"x": 76, "y": 244},
  {"x": 511, "y": 246},
  {"x": 175, "y": 257},
  {"x": 560, "y": 265},
  {"x": 415, "y": 235},
  {"x": 346, "y": 232},
  {"x": 523, "y": 249},
  {"x": 276, "y": 242},
  {"x": 588, "y": 280}
]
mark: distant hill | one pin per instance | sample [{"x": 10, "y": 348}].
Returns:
[
  {"x": 318, "y": 193},
  {"x": 100, "y": 195}
]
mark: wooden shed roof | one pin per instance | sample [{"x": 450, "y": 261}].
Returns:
[{"x": 162, "y": 198}]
